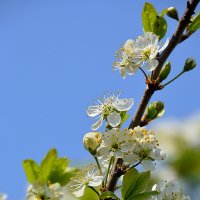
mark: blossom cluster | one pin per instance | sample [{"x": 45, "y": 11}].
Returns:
[
  {"x": 141, "y": 52},
  {"x": 134, "y": 146}
]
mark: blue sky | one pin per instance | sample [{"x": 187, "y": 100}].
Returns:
[{"x": 55, "y": 59}]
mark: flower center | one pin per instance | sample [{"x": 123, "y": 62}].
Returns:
[
  {"x": 115, "y": 146},
  {"x": 146, "y": 53},
  {"x": 107, "y": 109}
]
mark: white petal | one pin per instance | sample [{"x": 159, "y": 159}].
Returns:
[
  {"x": 148, "y": 165},
  {"x": 151, "y": 64},
  {"x": 96, "y": 125},
  {"x": 164, "y": 46},
  {"x": 132, "y": 69},
  {"x": 102, "y": 151},
  {"x": 80, "y": 192},
  {"x": 123, "y": 104},
  {"x": 158, "y": 154},
  {"x": 118, "y": 154},
  {"x": 97, "y": 180},
  {"x": 114, "y": 119},
  {"x": 29, "y": 196},
  {"x": 93, "y": 111}
]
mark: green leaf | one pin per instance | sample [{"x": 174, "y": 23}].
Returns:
[
  {"x": 149, "y": 14},
  {"x": 108, "y": 194},
  {"x": 32, "y": 170},
  {"x": 152, "y": 22},
  {"x": 160, "y": 27},
  {"x": 195, "y": 24},
  {"x": 129, "y": 181},
  {"x": 47, "y": 164},
  {"x": 142, "y": 182},
  {"x": 165, "y": 71},
  {"x": 145, "y": 195},
  {"x": 134, "y": 184}
]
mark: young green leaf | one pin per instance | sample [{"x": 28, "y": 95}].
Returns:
[
  {"x": 124, "y": 117},
  {"x": 129, "y": 181},
  {"x": 152, "y": 22},
  {"x": 149, "y": 14},
  {"x": 32, "y": 171},
  {"x": 195, "y": 24}
]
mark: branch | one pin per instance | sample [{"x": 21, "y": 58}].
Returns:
[{"x": 149, "y": 91}]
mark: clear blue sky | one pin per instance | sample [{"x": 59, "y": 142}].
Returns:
[{"x": 55, "y": 59}]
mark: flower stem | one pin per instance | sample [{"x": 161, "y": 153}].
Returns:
[
  {"x": 144, "y": 73},
  {"x": 92, "y": 188},
  {"x": 109, "y": 166},
  {"x": 98, "y": 165},
  {"x": 173, "y": 79}
]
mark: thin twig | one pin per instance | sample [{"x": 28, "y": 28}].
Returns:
[{"x": 175, "y": 40}]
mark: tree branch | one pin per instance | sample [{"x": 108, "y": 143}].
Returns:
[{"x": 175, "y": 40}]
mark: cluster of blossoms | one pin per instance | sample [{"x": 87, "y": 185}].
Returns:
[
  {"x": 109, "y": 109},
  {"x": 134, "y": 146},
  {"x": 169, "y": 191},
  {"x": 51, "y": 192},
  {"x": 135, "y": 54}
]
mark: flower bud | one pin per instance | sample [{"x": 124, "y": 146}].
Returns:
[
  {"x": 91, "y": 141},
  {"x": 165, "y": 72},
  {"x": 190, "y": 64},
  {"x": 172, "y": 12},
  {"x": 154, "y": 110}
]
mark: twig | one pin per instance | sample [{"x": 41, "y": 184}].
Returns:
[{"x": 175, "y": 40}]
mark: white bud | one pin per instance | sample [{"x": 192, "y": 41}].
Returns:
[{"x": 91, "y": 141}]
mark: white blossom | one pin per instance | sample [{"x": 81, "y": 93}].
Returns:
[
  {"x": 135, "y": 54},
  {"x": 169, "y": 191},
  {"x": 145, "y": 150},
  {"x": 3, "y": 196},
  {"x": 109, "y": 109},
  {"x": 115, "y": 142},
  {"x": 146, "y": 48},
  {"x": 126, "y": 63},
  {"x": 88, "y": 177},
  {"x": 38, "y": 192}
]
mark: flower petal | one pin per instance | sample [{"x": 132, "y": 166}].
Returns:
[
  {"x": 151, "y": 64},
  {"x": 96, "y": 125},
  {"x": 123, "y": 104},
  {"x": 80, "y": 192},
  {"x": 148, "y": 165},
  {"x": 93, "y": 111},
  {"x": 118, "y": 154},
  {"x": 164, "y": 46},
  {"x": 114, "y": 119},
  {"x": 96, "y": 181}
]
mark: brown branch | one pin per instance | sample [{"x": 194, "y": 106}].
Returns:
[{"x": 175, "y": 40}]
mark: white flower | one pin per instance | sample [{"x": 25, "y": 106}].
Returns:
[
  {"x": 91, "y": 141},
  {"x": 145, "y": 150},
  {"x": 36, "y": 192},
  {"x": 125, "y": 55},
  {"x": 109, "y": 109},
  {"x": 146, "y": 48},
  {"x": 89, "y": 177},
  {"x": 3, "y": 196},
  {"x": 114, "y": 143},
  {"x": 169, "y": 191}
]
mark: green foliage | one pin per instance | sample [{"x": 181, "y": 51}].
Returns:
[
  {"x": 152, "y": 22},
  {"x": 89, "y": 194},
  {"x": 51, "y": 170},
  {"x": 195, "y": 24},
  {"x": 108, "y": 194},
  {"x": 135, "y": 184},
  {"x": 165, "y": 72},
  {"x": 172, "y": 13}
]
